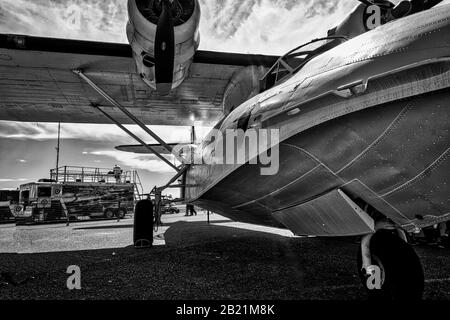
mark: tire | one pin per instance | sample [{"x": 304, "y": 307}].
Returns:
[
  {"x": 122, "y": 213},
  {"x": 143, "y": 224},
  {"x": 402, "y": 273},
  {"x": 109, "y": 214}
]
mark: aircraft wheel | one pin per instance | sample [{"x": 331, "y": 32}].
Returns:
[
  {"x": 143, "y": 224},
  {"x": 109, "y": 213},
  {"x": 401, "y": 271}
]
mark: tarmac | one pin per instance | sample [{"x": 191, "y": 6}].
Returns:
[{"x": 190, "y": 260}]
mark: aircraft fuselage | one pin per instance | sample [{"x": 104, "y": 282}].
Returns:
[{"x": 369, "y": 118}]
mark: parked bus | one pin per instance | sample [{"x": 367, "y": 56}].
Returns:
[
  {"x": 9, "y": 204},
  {"x": 78, "y": 193}
]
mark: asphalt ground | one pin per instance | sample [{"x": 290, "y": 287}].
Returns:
[{"x": 190, "y": 260}]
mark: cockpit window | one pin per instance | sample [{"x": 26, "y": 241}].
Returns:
[
  {"x": 295, "y": 59},
  {"x": 243, "y": 121}
]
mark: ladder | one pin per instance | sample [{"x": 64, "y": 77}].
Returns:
[{"x": 138, "y": 188}]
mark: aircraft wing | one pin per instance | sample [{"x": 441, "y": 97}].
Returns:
[{"x": 37, "y": 83}]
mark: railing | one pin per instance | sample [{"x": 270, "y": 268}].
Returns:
[{"x": 92, "y": 175}]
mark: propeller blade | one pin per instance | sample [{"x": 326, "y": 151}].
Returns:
[
  {"x": 164, "y": 49},
  {"x": 381, "y": 3}
]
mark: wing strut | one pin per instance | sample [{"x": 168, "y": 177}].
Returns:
[
  {"x": 101, "y": 92},
  {"x": 180, "y": 170},
  {"x": 128, "y": 114},
  {"x": 137, "y": 138}
]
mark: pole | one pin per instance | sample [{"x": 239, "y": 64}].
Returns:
[
  {"x": 57, "y": 151},
  {"x": 193, "y": 141},
  {"x": 193, "y": 135}
]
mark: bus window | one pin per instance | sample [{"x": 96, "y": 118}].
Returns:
[
  {"x": 13, "y": 196},
  {"x": 25, "y": 195},
  {"x": 3, "y": 196},
  {"x": 44, "y": 192}
]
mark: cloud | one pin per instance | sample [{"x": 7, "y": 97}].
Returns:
[
  {"x": 49, "y": 131},
  {"x": 251, "y": 26},
  {"x": 260, "y": 26},
  {"x": 267, "y": 26},
  {"x": 321, "y": 8},
  {"x": 14, "y": 180},
  {"x": 90, "y": 132},
  {"x": 136, "y": 161},
  {"x": 229, "y": 15},
  {"x": 76, "y": 19}
]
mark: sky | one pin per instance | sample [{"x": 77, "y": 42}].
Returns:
[{"x": 27, "y": 150}]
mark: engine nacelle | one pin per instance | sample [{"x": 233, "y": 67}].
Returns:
[{"x": 141, "y": 32}]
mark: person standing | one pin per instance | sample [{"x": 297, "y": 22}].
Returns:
[
  {"x": 190, "y": 210},
  {"x": 117, "y": 171}
]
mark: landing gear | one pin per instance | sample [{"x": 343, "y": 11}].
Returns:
[
  {"x": 391, "y": 269},
  {"x": 143, "y": 224}
]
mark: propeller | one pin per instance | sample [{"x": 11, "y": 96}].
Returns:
[{"x": 165, "y": 49}]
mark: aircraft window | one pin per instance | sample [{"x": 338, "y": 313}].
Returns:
[
  {"x": 295, "y": 59},
  {"x": 148, "y": 60},
  {"x": 219, "y": 124},
  {"x": 243, "y": 121},
  {"x": 44, "y": 192}
]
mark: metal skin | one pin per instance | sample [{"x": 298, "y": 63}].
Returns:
[
  {"x": 369, "y": 117},
  {"x": 141, "y": 36}
]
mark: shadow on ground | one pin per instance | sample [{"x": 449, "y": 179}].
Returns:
[
  {"x": 202, "y": 261},
  {"x": 130, "y": 226}
]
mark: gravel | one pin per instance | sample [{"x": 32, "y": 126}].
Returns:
[{"x": 201, "y": 261}]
